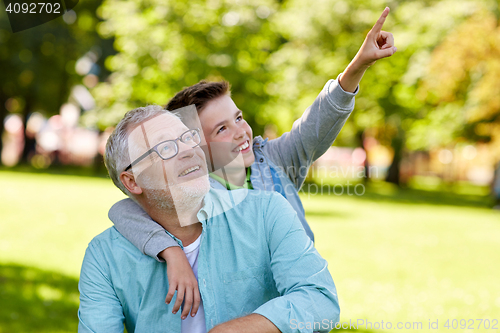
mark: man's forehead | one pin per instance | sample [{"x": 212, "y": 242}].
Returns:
[{"x": 159, "y": 128}]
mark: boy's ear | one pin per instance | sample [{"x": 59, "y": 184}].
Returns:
[{"x": 128, "y": 181}]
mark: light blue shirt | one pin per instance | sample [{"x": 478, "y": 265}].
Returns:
[{"x": 256, "y": 258}]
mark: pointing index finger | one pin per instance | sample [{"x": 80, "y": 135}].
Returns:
[{"x": 380, "y": 22}]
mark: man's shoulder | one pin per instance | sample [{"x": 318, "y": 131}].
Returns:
[
  {"x": 107, "y": 235},
  {"x": 110, "y": 240}
]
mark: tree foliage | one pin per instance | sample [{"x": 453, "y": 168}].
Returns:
[
  {"x": 165, "y": 46},
  {"x": 38, "y": 64},
  {"x": 463, "y": 80}
]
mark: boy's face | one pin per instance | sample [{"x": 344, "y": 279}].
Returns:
[{"x": 222, "y": 121}]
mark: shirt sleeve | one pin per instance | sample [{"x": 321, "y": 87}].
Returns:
[
  {"x": 308, "y": 300},
  {"x": 100, "y": 309},
  {"x": 313, "y": 133},
  {"x": 139, "y": 229}
]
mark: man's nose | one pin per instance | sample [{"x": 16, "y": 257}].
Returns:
[{"x": 185, "y": 150}]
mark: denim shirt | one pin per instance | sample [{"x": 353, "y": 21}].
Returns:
[
  {"x": 267, "y": 176},
  {"x": 253, "y": 259}
]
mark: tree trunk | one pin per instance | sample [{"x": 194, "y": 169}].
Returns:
[
  {"x": 366, "y": 175},
  {"x": 29, "y": 141},
  {"x": 3, "y": 114},
  {"x": 397, "y": 145}
]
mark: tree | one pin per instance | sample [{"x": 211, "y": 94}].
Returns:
[
  {"x": 165, "y": 46},
  {"x": 38, "y": 64},
  {"x": 461, "y": 84}
]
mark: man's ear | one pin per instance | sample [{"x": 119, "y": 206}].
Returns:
[{"x": 128, "y": 181}]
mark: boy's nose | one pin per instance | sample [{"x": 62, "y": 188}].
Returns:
[{"x": 240, "y": 132}]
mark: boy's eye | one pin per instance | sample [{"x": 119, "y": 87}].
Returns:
[
  {"x": 221, "y": 129},
  {"x": 240, "y": 117}
]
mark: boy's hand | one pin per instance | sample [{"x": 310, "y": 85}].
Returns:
[
  {"x": 181, "y": 278},
  {"x": 378, "y": 44}
]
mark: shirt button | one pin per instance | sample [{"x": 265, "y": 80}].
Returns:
[
  {"x": 261, "y": 160},
  {"x": 204, "y": 283}
]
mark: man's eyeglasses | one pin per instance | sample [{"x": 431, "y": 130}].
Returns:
[{"x": 169, "y": 149}]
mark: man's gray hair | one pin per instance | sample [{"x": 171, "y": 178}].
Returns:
[{"x": 116, "y": 156}]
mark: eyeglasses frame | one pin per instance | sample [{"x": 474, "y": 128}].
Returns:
[{"x": 155, "y": 149}]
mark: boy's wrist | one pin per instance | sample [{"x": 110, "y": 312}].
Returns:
[
  {"x": 358, "y": 66},
  {"x": 170, "y": 252}
]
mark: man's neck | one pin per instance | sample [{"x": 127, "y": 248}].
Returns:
[{"x": 182, "y": 222}]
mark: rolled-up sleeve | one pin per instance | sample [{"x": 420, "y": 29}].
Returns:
[
  {"x": 308, "y": 300},
  {"x": 100, "y": 309}
]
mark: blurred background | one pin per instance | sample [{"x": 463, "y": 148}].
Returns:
[{"x": 410, "y": 223}]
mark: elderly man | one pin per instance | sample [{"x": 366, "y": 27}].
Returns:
[{"x": 257, "y": 269}]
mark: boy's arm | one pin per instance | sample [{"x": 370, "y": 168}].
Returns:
[
  {"x": 151, "y": 239},
  {"x": 142, "y": 231},
  {"x": 314, "y": 132}
]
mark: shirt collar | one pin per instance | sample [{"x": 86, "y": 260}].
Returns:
[
  {"x": 217, "y": 202},
  {"x": 203, "y": 215},
  {"x": 206, "y": 210}
]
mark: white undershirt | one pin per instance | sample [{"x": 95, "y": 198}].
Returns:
[{"x": 194, "y": 324}]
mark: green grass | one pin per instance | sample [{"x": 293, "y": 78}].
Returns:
[
  {"x": 410, "y": 255},
  {"x": 395, "y": 255}
]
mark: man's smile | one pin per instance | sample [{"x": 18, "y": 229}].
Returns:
[{"x": 189, "y": 170}]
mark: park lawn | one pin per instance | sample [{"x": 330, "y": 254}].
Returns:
[
  {"x": 395, "y": 255},
  {"x": 396, "y": 258}
]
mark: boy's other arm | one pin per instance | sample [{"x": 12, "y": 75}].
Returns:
[
  {"x": 378, "y": 44},
  {"x": 313, "y": 133},
  {"x": 316, "y": 130}
]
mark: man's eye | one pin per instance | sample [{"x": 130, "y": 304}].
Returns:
[
  {"x": 221, "y": 129},
  {"x": 188, "y": 138},
  {"x": 239, "y": 118},
  {"x": 166, "y": 149}
]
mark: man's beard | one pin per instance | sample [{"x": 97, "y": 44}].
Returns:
[
  {"x": 188, "y": 194},
  {"x": 181, "y": 197}
]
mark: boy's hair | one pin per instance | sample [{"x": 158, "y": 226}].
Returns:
[{"x": 199, "y": 94}]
